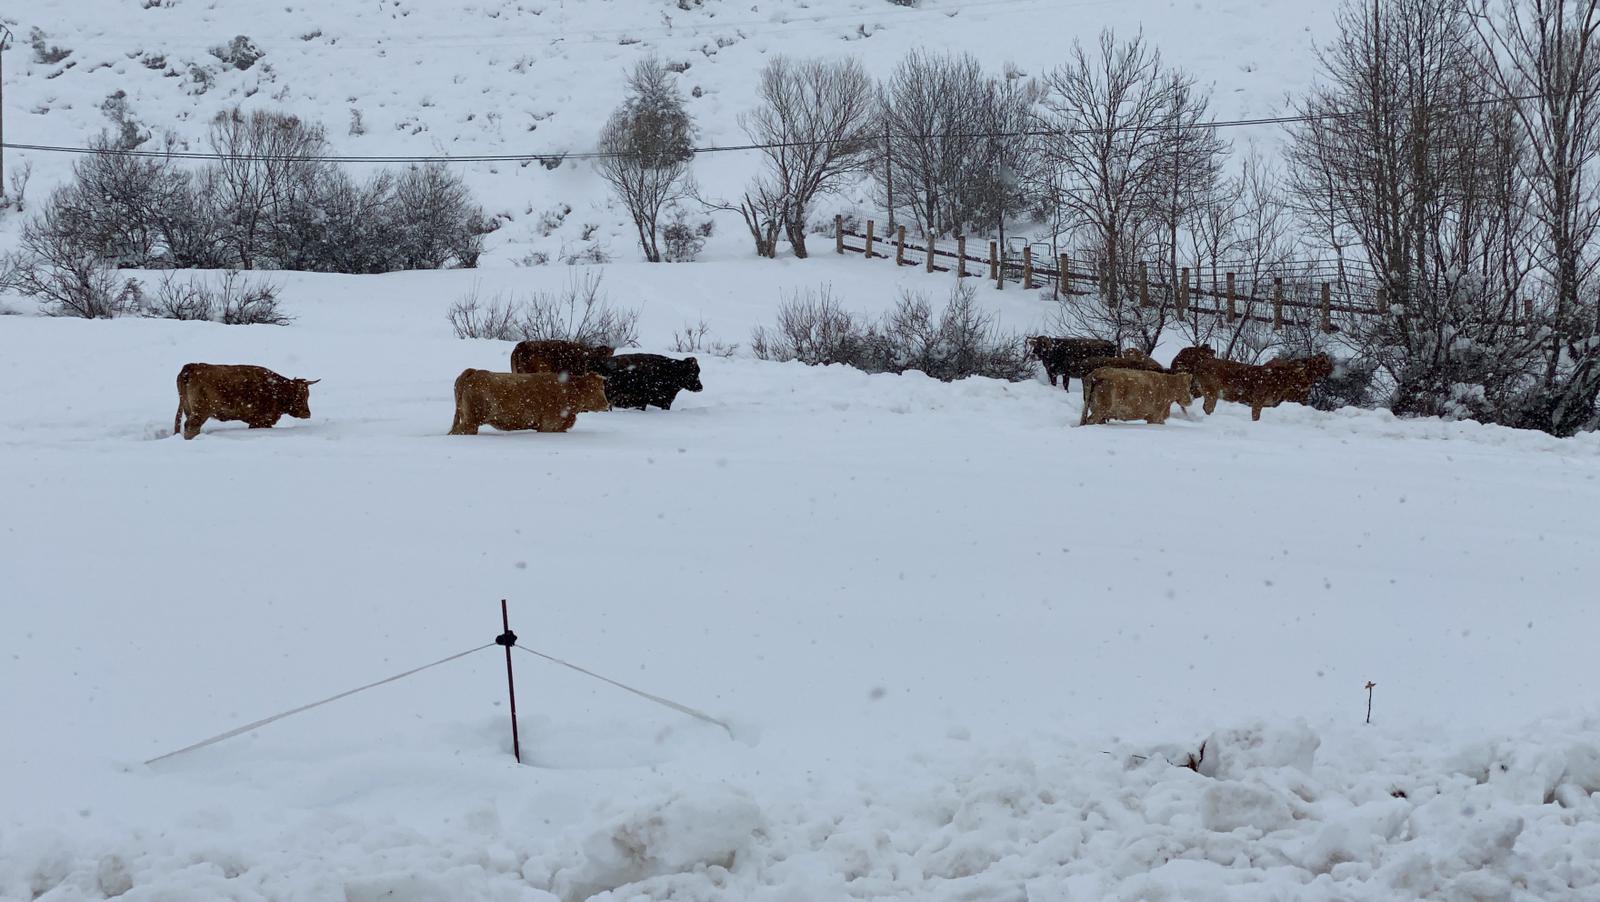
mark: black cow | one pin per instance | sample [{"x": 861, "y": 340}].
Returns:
[
  {"x": 635, "y": 380},
  {"x": 1066, "y": 357}
]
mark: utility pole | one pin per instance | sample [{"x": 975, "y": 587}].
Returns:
[
  {"x": 5, "y": 38},
  {"x": 888, "y": 172}
]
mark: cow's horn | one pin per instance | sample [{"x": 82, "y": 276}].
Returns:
[{"x": 312, "y": 381}]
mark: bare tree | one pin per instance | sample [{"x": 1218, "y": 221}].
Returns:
[
  {"x": 764, "y": 209},
  {"x": 816, "y": 124},
  {"x": 933, "y": 111},
  {"x": 268, "y": 166},
  {"x": 1106, "y": 112},
  {"x": 1404, "y": 169},
  {"x": 647, "y": 145},
  {"x": 1545, "y": 52}
]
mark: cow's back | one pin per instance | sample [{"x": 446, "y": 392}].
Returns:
[{"x": 556, "y": 356}]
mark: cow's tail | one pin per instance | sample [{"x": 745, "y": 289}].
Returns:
[
  {"x": 183, "y": 379},
  {"x": 1088, "y": 390}
]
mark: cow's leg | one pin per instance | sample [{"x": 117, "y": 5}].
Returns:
[
  {"x": 1211, "y": 403},
  {"x": 1052, "y": 376},
  {"x": 191, "y": 426},
  {"x": 1255, "y": 412}
]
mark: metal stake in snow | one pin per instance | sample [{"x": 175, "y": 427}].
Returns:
[
  {"x": 1370, "y": 686},
  {"x": 508, "y": 639}
]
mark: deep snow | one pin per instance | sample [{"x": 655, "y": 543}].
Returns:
[{"x": 942, "y": 620}]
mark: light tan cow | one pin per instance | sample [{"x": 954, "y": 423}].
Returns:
[
  {"x": 1116, "y": 393},
  {"x": 546, "y": 402}
]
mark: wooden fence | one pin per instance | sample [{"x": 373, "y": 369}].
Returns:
[{"x": 1316, "y": 292}]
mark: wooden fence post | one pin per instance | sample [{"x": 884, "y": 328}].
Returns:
[
  {"x": 869, "y": 240},
  {"x": 1183, "y": 291},
  {"x": 900, "y": 247},
  {"x": 927, "y": 247},
  {"x": 1061, "y": 275},
  {"x": 1144, "y": 284},
  {"x": 961, "y": 256},
  {"x": 1527, "y": 309},
  {"x": 1327, "y": 307},
  {"x": 1233, "y": 310},
  {"x": 1277, "y": 303},
  {"x": 1027, "y": 268},
  {"x": 1381, "y": 296},
  {"x": 994, "y": 264},
  {"x": 838, "y": 234}
]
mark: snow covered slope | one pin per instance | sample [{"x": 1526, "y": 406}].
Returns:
[
  {"x": 539, "y": 76},
  {"x": 958, "y": 640}
]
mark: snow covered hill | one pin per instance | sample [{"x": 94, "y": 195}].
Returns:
[
  {"x": 514, "y": 76},
  {"x": 959, "y": 641}
]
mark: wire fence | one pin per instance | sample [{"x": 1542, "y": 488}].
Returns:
[{"x": 1322, "y": 292}]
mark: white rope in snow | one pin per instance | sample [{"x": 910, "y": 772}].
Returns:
[
  {"x": 317, "y": 704},
  {"x": 664, "y": 702}
]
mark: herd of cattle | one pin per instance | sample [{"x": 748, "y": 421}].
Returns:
[
  {"x": 551, "y": 382},
  {"x": 1130, "y": 386}
]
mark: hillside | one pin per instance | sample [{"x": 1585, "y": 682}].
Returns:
[{"x": 523, "y": 77}]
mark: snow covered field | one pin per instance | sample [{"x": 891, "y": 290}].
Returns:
[{"x": 958, "y": 639}]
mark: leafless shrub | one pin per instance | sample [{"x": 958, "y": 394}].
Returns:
[
  {"x": 65, "y": 280},
  {"x": 240, "y": 53},
  {"x": 956, "y": 342},
  {"x": 682, "y": 239},
  {"x": 17, "y": 198},
  {"x": 579, "y": 313},
  {"x": 497, "y": 319},
  {"x": 695, "y": 338},
  {"x": 234, "y": 300},
  {"x": 590, "y": 254},
  {"x": 45, "y": 53}
]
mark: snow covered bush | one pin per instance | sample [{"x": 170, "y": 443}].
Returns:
[
  {"x": 956, "y": 342},
  {"x": 240, "y": 53},
  {"x": 683, "y": 241},
  {"x": 270, "y": 204},
  {"x": 579, "y": 312},
  {"x": 234, "y": 300}
]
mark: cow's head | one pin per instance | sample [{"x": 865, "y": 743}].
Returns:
[
  {"x": 1035, "y": 345},
  {"x": 298, "y": 404},
  {"x": 1319, "y": 367},
  {"x": 689, "y": 374},
  {"x": 590, "y": 393},
  {"x": 1182, "y": 389}
]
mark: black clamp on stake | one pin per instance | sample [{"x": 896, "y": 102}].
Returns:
[{"x": 507, "y": 638}]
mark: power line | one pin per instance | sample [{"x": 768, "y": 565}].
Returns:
[{"x": 712, "y": 149}]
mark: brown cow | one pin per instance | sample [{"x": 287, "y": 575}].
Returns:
[
  {"x": 1306, "y": 373},
  {"x": 547, "y": 402},
  {"x": 254, "y": 394},
  {"x": 1065, "y": 357},
  {"x": 1188, "y": 358},
  {"x": 552, "y": 356},
  {"x": 1130, "y": 359},
  {"x": 1258, "y": 386},
  {"x": 1117, "y": 393}
]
